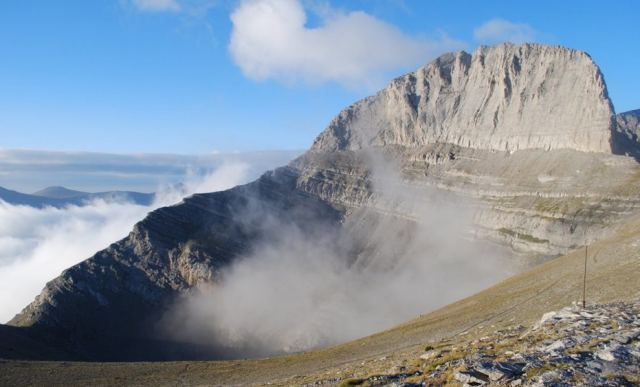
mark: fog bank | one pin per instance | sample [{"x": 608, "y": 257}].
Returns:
[{"x": 407, "y": 253}]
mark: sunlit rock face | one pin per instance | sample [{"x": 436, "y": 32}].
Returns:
[{"x": 504, "y": 98}]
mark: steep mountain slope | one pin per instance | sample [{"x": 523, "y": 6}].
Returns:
[
  {"x": 629, "y": 122},
  {"x": 108, "y": 302},
  {"x": 517, "y": 134},
  {"x": 628, "y": 129},
  {"x": 613, "y": 269}
]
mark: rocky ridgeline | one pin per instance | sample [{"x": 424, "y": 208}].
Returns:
[
  {"x": 523, "y": 130},
  {"x": 597, "y": 345},
  {"x": 629, "y": 126},
  {"x": 505, "y": 98}
]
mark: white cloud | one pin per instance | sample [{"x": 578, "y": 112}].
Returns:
[
  {"x": 37, "y": 244},
  {"x": 192, "y": 8},
  {"x": 226, "y": 176},
  {"x": 500, "y": 30},
  {"x": 270, "y": 40},
  {"x": 157, "y": 5}
]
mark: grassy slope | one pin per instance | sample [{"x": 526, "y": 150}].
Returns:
[{"x": 613, "y": 275}]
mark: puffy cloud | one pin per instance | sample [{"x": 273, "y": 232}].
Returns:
[
  {"x": 157, "y": 5},
  {"x": 270, "y": 40},
  {"x": 500, "y": 30}
]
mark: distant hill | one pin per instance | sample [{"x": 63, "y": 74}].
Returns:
[
  {"x": 60, "y": 196},
  {"x": 58, "y": 192},
  {"x": 18, "y": 198}
]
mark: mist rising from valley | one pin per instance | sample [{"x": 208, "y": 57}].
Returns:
[{"x": 408, "y": 252}]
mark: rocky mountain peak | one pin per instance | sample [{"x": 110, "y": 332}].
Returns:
[
  {"x": 629, "y": 123},
  {"x": 505, "y": 97}
]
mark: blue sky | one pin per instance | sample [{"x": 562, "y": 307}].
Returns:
[{"x": 196, "y": 76}]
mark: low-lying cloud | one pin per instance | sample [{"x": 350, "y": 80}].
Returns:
[
  {"x": 37, "y": 244},
  {"x": 408, "y": 253},
  {"x": 270, "y": 40}
]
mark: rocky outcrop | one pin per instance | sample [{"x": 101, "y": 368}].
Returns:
[
  {"x": 596, "y": 346},
  {"x": 626, "y": 138},
  {"x": 629, "y": 122},
  {"x": 504, "y": 98}
]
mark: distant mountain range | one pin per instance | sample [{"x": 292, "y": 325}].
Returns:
[{"x": 57, "y": 197}]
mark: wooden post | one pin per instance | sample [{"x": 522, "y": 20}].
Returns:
[{"x": 584, "y": 281}]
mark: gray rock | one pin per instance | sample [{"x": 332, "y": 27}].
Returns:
[
  {"x": 511, "y": 369},
  {"x": 594, "y": 366},
  {"x": 493, "y": 373},
  {"x": 606, "y": 355},
  {"x": 429, "y": 355},
  {"x": 471, "y": 377},
  {"x": 623, "y": 338},
  {"x": 556, "y": 346}
]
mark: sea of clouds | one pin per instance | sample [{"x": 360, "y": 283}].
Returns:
[{"x": 37, "y": 244}]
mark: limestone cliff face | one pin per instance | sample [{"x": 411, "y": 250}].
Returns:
[{"x": 505, "y": 98}]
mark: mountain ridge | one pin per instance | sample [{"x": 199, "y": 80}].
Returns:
[
  {"x": 531, "y": 197},
  {"x": 58, "y": 197},
  {"x": 58, "y": 192},
  {"x": 505, "y": 98}
]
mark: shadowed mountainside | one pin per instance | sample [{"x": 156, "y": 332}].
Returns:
[{"x": 613, "y": 268}]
